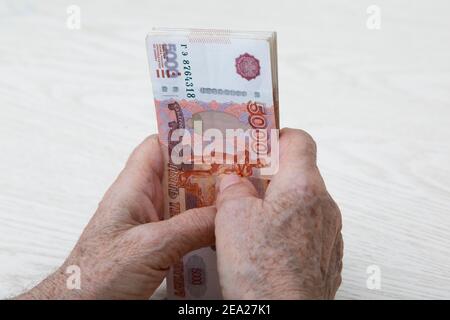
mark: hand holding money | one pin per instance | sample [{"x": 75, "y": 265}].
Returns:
[
  {"x": 206, "y": 84},
  {"x": 126, "y": 249},
  {"x": 287, "y": 245},
  {"x": 276, "y": 233}
]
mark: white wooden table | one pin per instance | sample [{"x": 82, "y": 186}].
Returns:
[{"x": 74, "y": 103}]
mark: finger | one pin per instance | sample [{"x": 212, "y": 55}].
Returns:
[
  {"x": 338, "y": 253},
  {"x": 331, "y": 231},
  {"x": 334, "y": 277},
  {"x": 185, "y": 232},
  {"x": 297, "y": 164},
  {"x": 143, "y": 171},
  {"x": 138, "y": 187},
  {"x": 147, "y": 157},
  {"x": 233, "y": 187}
]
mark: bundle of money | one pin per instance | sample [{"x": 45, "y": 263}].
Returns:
[{"x": 211, "y": 88}]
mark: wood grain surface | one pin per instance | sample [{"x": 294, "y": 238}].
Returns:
[{"x": 74, "y": 103}]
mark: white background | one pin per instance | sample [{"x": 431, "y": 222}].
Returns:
[{"x": 74, "y": 103}]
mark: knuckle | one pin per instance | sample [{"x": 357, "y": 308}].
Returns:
[
  {"x": 197, "y": 219},
  {"x": 339, "y": 222},
  {"x": 301, "y": 137},
  {"x": 309, "y": 197},
  {"x": 338, "y": 283},
  {"x": 307, "y": 139},
  {"x": 340, "y": 249},
  {"x": 236, "y": 194},
  {"x": 309, "y": 187},
  {"x": 335, "y": 213},
  {"x": 235, "y": 205}
]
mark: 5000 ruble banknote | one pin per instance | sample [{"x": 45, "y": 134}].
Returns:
[{"x": 216, "y": 100}]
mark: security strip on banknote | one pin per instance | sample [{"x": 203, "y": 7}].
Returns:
[{"x": 216, "y": 99}]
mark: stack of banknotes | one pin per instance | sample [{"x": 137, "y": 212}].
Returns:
[{"x": 211, "y": 88}]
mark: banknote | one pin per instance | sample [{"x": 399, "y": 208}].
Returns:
[{"x": 216, "y": 100}]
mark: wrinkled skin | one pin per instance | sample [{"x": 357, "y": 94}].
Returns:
[
  {"x": 287, "y": 245},
  {"x": 126, "y": 250}
]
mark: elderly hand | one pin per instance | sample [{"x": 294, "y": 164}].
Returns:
[
  {"x": 125, "y": 250},
  {"x": 287, "y": 245}
]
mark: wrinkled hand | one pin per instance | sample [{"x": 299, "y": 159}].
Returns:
[
  {"x": 125, "y": 250},
  {"x": 287, "y": 245}
]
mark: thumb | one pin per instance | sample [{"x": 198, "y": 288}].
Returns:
[
  {"x": 185, "y": 232},
  {"x": 232, "y": 187}
]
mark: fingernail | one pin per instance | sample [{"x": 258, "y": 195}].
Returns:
[{"x": 228, "y": 180}]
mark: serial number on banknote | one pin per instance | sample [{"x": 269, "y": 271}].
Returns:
[{"x": 187, "y": 71}]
